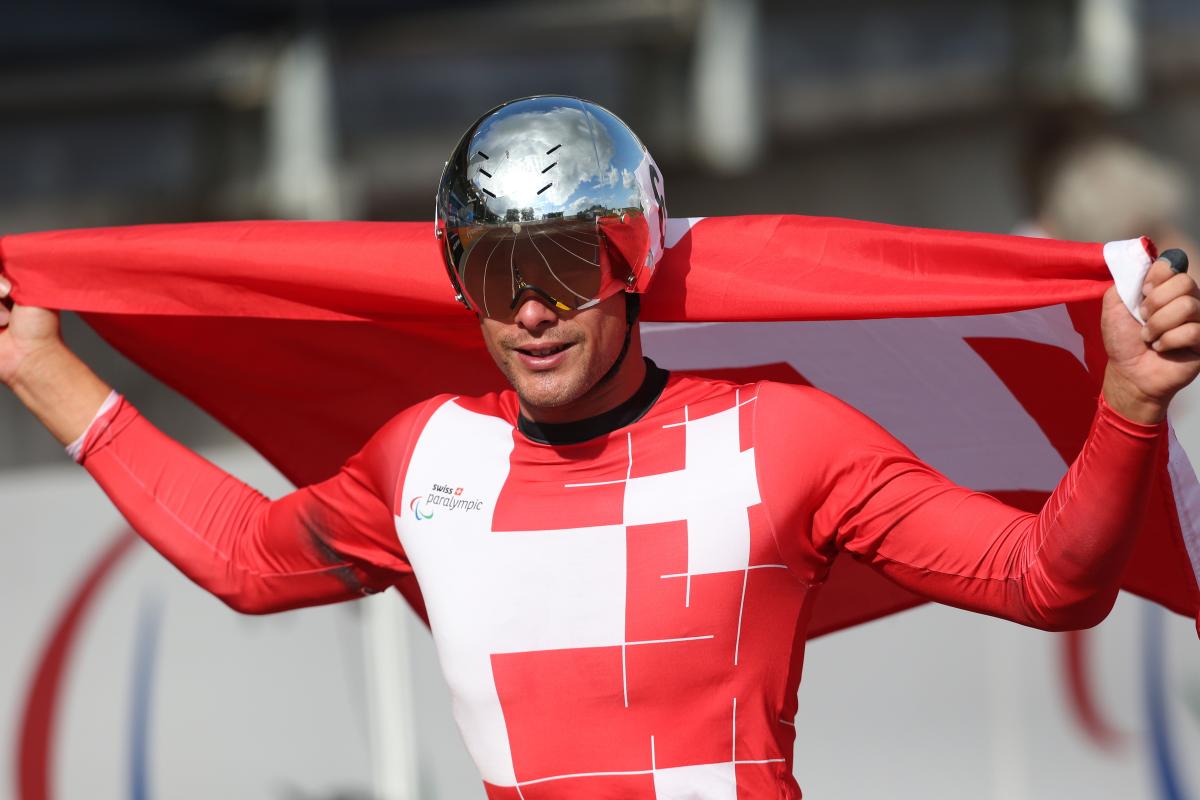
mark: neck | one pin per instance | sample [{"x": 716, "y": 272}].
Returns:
[{"x": 581, "y": 429}]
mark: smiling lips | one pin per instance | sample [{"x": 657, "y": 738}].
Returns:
[{"x": 540, "y": 357}]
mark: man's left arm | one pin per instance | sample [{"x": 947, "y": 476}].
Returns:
[{"x": 862, "y": 492}]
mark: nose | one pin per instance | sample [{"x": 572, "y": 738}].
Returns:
[{"x": 534, "y": 313}]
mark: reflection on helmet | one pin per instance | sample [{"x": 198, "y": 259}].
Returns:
[{"x": 553, "y": 195}]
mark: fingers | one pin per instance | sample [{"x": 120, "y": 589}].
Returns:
[
  {"x": 1185, "y": 336},
  {"x": 1171, "y": 305},
  {"x": 1180, "y": 311},
  {"x": 1160, "y": 271},
  {"x": 1165, "y": 292}
]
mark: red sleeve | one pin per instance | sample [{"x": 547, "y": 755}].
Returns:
[
  {"x": 331, "y": 541},
  {"x": 833, "y": 480}
]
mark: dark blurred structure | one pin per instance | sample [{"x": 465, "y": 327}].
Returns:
[{"x": 136, "y": 112}]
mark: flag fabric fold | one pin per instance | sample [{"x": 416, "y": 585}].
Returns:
[{"x": 979, "y": 351}]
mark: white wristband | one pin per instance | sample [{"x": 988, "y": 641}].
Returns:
[{"x": 75, "y": 448}]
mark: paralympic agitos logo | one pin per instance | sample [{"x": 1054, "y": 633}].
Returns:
[{"x": 442, "y": 496}]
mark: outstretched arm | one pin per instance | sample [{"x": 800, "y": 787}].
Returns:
[
  {"x": 861, "y": 491},
  {"x": 331, "y": 541}
]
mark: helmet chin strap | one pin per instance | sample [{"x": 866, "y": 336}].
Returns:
[{"x": 633, "y": 307}]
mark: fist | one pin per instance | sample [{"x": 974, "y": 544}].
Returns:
[
  {"x": 24, "y": 330},
  {"x": 1149, "y": 363}
]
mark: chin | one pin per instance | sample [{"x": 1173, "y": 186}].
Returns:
[
  {"x": 550, "y": 392},
  {"x": 556, "y": 388}
]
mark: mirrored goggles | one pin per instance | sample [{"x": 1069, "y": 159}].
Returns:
[{"x": 569, "y": 264}]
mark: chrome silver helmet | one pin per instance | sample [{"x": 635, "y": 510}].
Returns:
[{"x": 553, "y": 195}]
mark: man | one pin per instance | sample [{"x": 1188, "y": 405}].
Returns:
[{"x": 619, "y": 564}]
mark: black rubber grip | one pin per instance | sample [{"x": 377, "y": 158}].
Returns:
[{"x": 1176, "y": 258}]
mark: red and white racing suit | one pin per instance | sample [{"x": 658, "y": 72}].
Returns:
[{"x": 624, "y": 616}]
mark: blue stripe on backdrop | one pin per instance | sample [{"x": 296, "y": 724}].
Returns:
[
  {"x": 145, "y": 650},
  {"x": 1166, "y": 771}
]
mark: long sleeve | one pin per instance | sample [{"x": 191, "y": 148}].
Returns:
[
  {"x": 331, "y": 541},
  {"x": 835, "y": 481}
]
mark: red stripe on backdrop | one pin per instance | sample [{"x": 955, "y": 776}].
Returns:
[
  {"x": 35, "y": 743},
  {"x": 1077, "y": 673}
]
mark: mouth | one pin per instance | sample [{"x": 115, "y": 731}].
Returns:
[
  {"x": 544, "y": 350},
  {"x": 541, "y": 357}
]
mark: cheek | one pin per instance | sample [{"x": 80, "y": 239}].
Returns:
[
  {"x": 491, "y": 339},
  {"x": 614, "y": 334}
]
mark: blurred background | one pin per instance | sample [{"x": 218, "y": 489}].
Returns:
[
  {"x": 1072, "y": 118},
  {"x": 928, "y": 112}
]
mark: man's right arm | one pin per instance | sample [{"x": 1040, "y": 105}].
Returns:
[{"x": 331, "y": 541}]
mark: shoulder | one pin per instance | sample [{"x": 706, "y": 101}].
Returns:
[
  {"x": 791, "y": 397},
  {"x": 786, "y": 412},
  {"x": 410, "y": 420}
]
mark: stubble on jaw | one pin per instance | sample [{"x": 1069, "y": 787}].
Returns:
[{"x": 550, "y": 389}]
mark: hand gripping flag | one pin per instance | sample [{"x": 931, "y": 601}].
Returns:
[{"x": 981, "y": 352}]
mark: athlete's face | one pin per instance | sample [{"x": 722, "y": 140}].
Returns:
[{"x": 555, "y": 359}]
